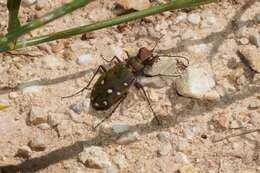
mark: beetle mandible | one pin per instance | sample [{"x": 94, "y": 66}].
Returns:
[{"x": 112, "y": 87}]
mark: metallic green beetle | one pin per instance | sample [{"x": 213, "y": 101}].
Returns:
[{"x": 112, "y": 86}]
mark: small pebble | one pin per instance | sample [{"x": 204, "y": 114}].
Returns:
[
  {"x": 163, "y": 136},
  {"x": 255, "y": 39},
  {"x": 37, "y": 144},
  {"x": 257, "y": 16},
  {"x": 223, "y": 119},
  {"x": 28, "y": 3},
  {"x": 94, "y": 157},
  {"x": 243, "y": 41},
  {"x": 85, "y": 59},
  {"x": 182, "y": 158},
  {"x": 187, "y": 169},
  {"x": 254, "y": 104},
  {"x": 37, "y": 115},
  {"x": 44, "y": 126},
  {"x": 120, "y": 160},
  {"x": 24, "y": 152},
  {"x": 54, "y": 119},
  {"x": 181, "y": 17},
  {"x": 50, "y": 62},
  {"x": 164, "y": 149},
  {"x": 128, "y": 138},
  {"x": 196, "y": 82},
  {"x": 194, "y": 18},
  {"x": 82, "y": 106},
  {"x": 235, "y": 124},
  {"x": 251, "y": 54},
  {"x": 13, "y": 95},
  {"x": 183, "y": 145},
  {"x": 120, "y": 128},
  {"x": 133, "y": 4},
  {"x": 77, "y": 118},
  {"x": 40, "y": 4}
]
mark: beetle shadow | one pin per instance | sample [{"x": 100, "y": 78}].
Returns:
[
  {"x": 217, "y": 38},
  {"x": 45, "y": 82},
  {"x": 64, "y": 153}
]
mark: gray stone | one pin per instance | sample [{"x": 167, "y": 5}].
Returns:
[
  {"x": 38, "y": 143},
  {"x": 82, "y": 106},
  {"x": 94, "y": 157},
  {"x": 128, "y": 138},
  {"x": 197, "y": 82},
  {"x": 120, "y": 161},
  {"x": 85, "y": 59},
  {"x": 28, "y": 3},
  {"x": 182, "y": 158},
  {"x": 50, "y": 62},
  {"x": 255, "y": 39},
  {"x": 243, "y": 41},
  {"x": 163, "y": 136},
  {"x": 164, "y": 149},
  {"x": 165, "y": 66},
  {"x": 194, "y": 18},
  {"x": 54, "y": 119},
  {"x": 235, "y": 124},
  {"x": 44, "y": 126},
  {"x": 257, "y": 17},
  {"x": 77, "y": 118},
  {"x": 181, "y": 17},
  {"x": 133, "y": 4},
  {"x": 251, "y": 54},
  {"x": 120, "y": 128},
  {"x": 254, "y": 104},
  {"x": 37, "y": 115},
  {"x": 183, "y": 145},
  {"x": 153, "y": 82}
]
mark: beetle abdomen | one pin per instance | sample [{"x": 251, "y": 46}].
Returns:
[{"x": 111, "y": 86}]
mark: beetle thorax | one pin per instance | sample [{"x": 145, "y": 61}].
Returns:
[{"x": 143, "y": 58}]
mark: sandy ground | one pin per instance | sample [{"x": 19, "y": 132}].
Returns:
[{"x": 32, "y": 85}]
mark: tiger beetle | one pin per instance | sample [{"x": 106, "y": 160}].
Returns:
[{"x": 113, "y": 85}]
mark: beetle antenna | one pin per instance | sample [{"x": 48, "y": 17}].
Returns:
[
  {"x": 157, "y": 42},
  {"x": 177, "y": 56}
]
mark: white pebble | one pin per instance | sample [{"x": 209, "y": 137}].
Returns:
[
  {"x": 194, "y": 18},
  {"x": 85, "y": 59},
  {"x": 128, "y": 138},
  {"x": 94, "y": 157}
]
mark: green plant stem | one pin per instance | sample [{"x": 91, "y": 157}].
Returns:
[
  {"x": 13, "y": 9},
  {"x": 177, "y": 4},
  {"x": 65, "y": 9}
]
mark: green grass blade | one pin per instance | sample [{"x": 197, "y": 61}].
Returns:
[
  {"x": 177, "y": 4},
  {"x": 13, "y": 8},
  {"x": 65, "y": 9}
]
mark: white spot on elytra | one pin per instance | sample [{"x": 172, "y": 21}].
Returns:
[
  {"x": 105, "y": 103},
  {"x": 92, "y": 98},
  {"x": 109, "y": 91},
  {"x": 102, "y": 82},
  {"x": 125, "y": 84},
  {"x": 118, "y": 93},
  {"x": 96, "y": 104}
]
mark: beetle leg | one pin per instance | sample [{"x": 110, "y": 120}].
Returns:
[
  {"x": 86, "y": 87},
  {"x": 161, "y": 75},
  {"x": 114, "y": 109},
  {"x": 109, "y": 61},
  {"x": 140, "y": 86}
]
